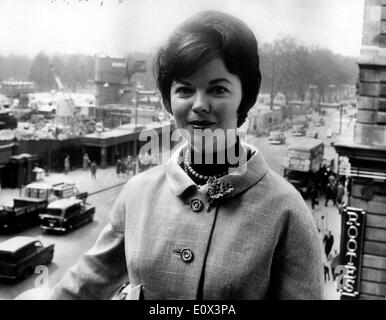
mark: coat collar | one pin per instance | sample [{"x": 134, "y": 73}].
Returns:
[{"x": 241, "y": 178}]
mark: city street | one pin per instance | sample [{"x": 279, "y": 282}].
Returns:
[{"x": 71, "y": 246}]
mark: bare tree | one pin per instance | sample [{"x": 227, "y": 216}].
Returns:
[{"x": 278, "y": 60}]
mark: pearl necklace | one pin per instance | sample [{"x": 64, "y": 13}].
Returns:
[{"x": 188, "y": 168}]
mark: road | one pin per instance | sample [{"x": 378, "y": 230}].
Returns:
[
  {"x": 68, "y": 247},
  {"x": 275, "y": 154}
]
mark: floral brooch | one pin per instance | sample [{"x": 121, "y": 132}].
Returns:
[{"x": 217, "y": 189}]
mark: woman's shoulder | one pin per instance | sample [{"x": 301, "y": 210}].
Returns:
[
  {"x": 149, "y": 176},
  {"x": 143, "y": 185},
  {"x": 283, "y": 188},
  {"x": 286, "y": 199}
]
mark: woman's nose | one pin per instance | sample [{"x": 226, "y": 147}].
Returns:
[{"x": 201, "y": 103}]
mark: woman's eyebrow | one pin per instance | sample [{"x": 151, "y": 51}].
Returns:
[
  {"x": 214, "y": 81},
  {"x": 185, "y": 82}
]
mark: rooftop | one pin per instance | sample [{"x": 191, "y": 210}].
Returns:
[
  {"x": 15, "y": 243},
  {"x": 63, "y": 203},
  {"x": 305, "y": 144}
]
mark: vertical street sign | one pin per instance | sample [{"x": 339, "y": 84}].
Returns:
[{"x": 353, "y": 230}]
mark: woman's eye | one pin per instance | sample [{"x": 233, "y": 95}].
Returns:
[
  {"x": 183, "y": 91},
  {"x": 219, "y": 90}
]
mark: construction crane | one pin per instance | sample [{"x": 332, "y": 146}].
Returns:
[{"x": 70, "y": 104}]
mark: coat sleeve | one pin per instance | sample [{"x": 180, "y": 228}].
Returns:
[
  {"x": 297, "y": 270},
  {"x": 103, "y": 268}
]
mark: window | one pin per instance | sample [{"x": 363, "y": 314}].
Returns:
[
  {"x": 54, "y": 212},
  {"x": 26, "y": 251},
  {"x": 7, "y": 257},
  {"x": 72, "y": 210},
  {"x": 42, "y": 193},
  {"x": 38, "y": 245}
]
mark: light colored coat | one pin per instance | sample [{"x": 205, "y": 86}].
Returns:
[{"x": 260, "y": 242}]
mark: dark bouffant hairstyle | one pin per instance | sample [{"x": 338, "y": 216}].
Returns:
[{"x": 205, "y": 36}]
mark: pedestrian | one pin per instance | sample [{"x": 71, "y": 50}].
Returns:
[
  {"x": 322, "y": 179},
  {"x": 130, "y": 165},
  {"x": 66, "y": 164},
  {"x": 328, "y": 242},
  {"x": 123, "y": 167},
  {"x": 118, "y": 167},
  {"x": 330, "y": 193},
  {"x": 313, "y": 196},
  {"x": 223, "y": 226},
  {"x": 340, "y": 193},
  {"x": 93, "y": 168},
  {"x": 331, "y": 177},
  {"x": 86, "y": 161},
  {"x": 334, "y": 262}
]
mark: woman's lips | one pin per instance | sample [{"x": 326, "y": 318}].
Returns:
[{"x": 201, "y": 124}]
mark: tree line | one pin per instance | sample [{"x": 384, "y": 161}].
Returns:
[
  {"x": 291, "y": 68},
  {"x": 286, "y": 66}
]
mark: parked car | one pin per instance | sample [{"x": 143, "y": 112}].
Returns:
[
  {"x": 298, "y": 130},
  {"x": 66, "y": 214},
  {"x": 276, "y": 137},
  {"x": 20, "y": 255},
  {"x": 319, "y": 122}
]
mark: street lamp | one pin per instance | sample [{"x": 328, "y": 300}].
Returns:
[
  {"x": 312, "y": 89},
  {"x": 340, "y": 115}
]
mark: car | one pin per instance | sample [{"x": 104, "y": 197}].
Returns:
[
  {"x": 19, "y": 256},
  {"x": 66, "y": 214},
  {"x": 298, "y": 130},
  {"x": 276, "y": 137}
]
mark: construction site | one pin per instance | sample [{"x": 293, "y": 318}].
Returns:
[{"x": 40, "y": 129}]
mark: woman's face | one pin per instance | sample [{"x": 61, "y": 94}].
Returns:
[{"x": 205, "y": 104}]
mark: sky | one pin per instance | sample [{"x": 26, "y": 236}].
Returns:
[{"x": 115, "y": 27}]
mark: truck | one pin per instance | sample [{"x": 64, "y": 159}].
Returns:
[
  {"x": 26, "y": 209},
  {"x": 52, "y": 192},
  {"x": 303, "y": 160},
  {"x": 24, "y": 213}
]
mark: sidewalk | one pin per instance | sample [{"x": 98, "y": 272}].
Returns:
[
  {"x": 331, "y": 221},
  {"x": 105, "y": 178}
]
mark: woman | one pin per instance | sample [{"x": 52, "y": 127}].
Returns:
[{"x": 214, "y": 222}]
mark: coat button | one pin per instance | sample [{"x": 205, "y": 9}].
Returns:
[
  {"x": 196, "y": 205},
  {"x": 187, "y": 255}
]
